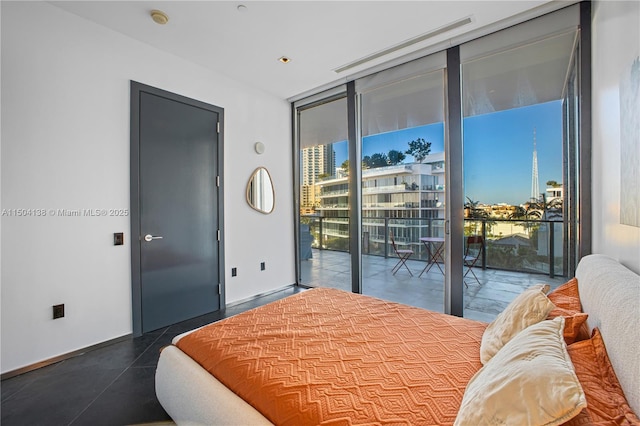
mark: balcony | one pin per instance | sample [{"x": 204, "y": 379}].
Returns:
[
  {"x": 511, "y": 262},
  {"x": 482, "y": 302}
]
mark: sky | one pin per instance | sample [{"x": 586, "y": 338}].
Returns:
[{"x": 498, "y": 150}]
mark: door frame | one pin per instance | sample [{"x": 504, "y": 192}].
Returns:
[{"x": 136, "y": 89}]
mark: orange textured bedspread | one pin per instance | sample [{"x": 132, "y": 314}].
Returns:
[{"x": 329, "y": 357}]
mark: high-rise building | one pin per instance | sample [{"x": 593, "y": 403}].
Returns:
[{"x": 317, "y": 161}]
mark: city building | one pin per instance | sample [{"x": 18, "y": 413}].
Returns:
[
  {"x": 405, "y": 198},
  {"x": 551, "y": 233},
  {"x": 317, "y": 162}
]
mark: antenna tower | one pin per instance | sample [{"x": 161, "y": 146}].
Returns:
[{"x": 535, "y": 185}]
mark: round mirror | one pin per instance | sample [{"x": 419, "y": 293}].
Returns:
[{"x": 260, "y": 193}]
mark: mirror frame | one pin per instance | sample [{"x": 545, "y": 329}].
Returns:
[{"x": 273, "y": 190}]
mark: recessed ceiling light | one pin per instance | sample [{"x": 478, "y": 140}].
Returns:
[
  {"x": 159, "y": 17},
  {"x": 284, "y": 59}
]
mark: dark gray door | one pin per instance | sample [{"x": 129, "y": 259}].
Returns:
[{"x": 178, "y": 210}]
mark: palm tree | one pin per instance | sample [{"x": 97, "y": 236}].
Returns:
[
  {"x": 527, "y": 212},
  {"x": 534, "y": 209},
  {"x": 519, "y": 213},
  {"x": 473, "y": 211},
  {"x": 556, "y": 204}
]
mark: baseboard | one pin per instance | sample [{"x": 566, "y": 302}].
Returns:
[
  {"x": 28, "y": 368},
  {"x": 257, "y": 296},
  {"x": 63, "y": 357}
]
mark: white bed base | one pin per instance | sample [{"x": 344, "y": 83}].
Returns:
[
  {"x": 610, "y": 294},
  {"x": 192, "y": 396}
]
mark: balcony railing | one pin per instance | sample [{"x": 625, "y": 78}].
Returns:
[{"x": 533, "y": 246}]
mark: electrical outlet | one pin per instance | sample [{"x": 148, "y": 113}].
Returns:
[
  {"x": 234, "y": 272},
  {"x": 58, "y": 311},
  {"x": 262, "y": 266}
]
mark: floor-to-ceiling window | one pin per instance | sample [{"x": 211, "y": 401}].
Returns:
[
  {"x": 403, "y": 182},
  {"x": 500, "y": 133},
  {"x": 323, "y": 194},
  {"x": 571, "y": 169},
  {"x": 514, "y": 164}
]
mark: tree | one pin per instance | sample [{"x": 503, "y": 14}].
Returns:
[
  {"x": 379, "y": 159},
  {"x": 345, "y": 167},
  {"x": 534, "y": 209},
  {"x": 530, "y": 211},
  {"x": 473, "y": 211},
  {"x": 419, "y": 149},
  {"x": 544, "y": 207},
  {"x": 555, "y": 204},
  {"x": 518, "y": 213},
  {"x": 396, "y": 157},
  {"x": 376, "y": 160},
  {"x": 553, "y": 184}
]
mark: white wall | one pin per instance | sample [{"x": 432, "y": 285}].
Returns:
[
  {"x": 615, "y": 44},
  {"x": 65, "y": 145}
]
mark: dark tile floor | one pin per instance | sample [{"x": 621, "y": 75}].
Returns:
[{"x": 113, "y": 385}]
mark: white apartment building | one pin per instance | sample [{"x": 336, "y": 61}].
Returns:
[{"x": 407, "y": 199}]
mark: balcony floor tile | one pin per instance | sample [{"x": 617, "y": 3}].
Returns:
[{"x": 482, "y": 301}]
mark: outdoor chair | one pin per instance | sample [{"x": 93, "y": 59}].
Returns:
[
  {"x": 473, "y": 251},
  {"x": 403, "y": 255}
]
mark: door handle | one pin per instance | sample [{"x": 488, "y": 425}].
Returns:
[{"x": 150, "y": 237}]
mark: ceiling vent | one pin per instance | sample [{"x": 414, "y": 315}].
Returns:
[{"x": 410, "y": 42}]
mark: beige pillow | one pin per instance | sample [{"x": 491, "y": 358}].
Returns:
[
  {"x": 530, "y": 307},
  {"x": 531, "y": 381}
]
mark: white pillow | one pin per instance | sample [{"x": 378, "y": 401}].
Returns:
[
  {"x": 530, "y": 381},
  {"x": 530, "y": 307}
]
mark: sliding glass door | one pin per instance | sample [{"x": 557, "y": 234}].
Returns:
[
  {"x": 323, "y": 229},
  {"x": 403, "y": 183},
  {"x": 514, "y": 167},
  {"x": 571, "y": 138}
]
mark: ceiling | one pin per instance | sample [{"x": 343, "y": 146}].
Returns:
[{"x": 318, "y": 36}]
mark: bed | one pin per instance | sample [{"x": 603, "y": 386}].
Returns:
[{"x": 326, "y": 356}]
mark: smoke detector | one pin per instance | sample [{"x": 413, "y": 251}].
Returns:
[{"x": 159, "y": 17}]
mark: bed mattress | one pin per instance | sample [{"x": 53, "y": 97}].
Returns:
[{"x": 326, "y": 356}]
